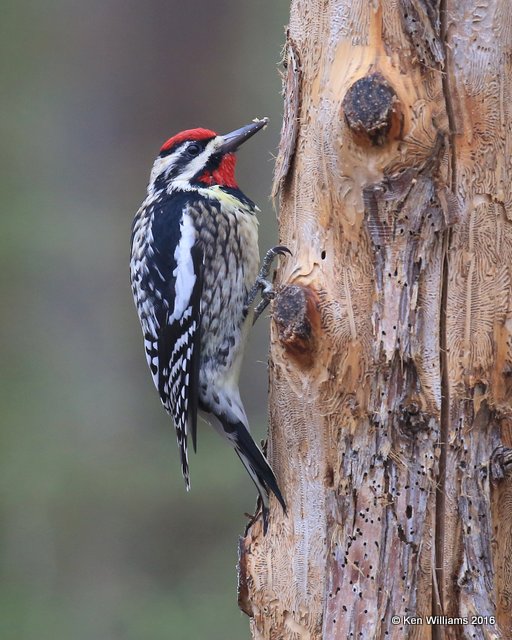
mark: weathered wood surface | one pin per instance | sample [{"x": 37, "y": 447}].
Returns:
[{"x": 391, "y": 357}]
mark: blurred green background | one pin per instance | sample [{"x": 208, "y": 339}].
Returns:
[{"x": 98, "y": 538}]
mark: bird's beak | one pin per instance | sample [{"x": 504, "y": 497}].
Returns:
[{"x": 231, "y": 141}]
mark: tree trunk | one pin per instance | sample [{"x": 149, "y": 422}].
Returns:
[{"x": 391, "y": 356}]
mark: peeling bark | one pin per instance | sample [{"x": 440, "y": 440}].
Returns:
[{"x": 391, "y": 356}]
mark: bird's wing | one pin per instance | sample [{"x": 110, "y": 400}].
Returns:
[
  {"x": 193, "y": 399},
  {"x": 178, "y": 355},
  {"x": 172, "y": 346}
]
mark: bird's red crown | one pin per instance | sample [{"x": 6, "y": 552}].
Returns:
[{"x": 189, "y": 134}]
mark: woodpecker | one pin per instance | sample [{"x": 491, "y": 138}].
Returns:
[{"x": 194, "y": 275}]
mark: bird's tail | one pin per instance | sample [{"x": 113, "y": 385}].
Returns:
[{"x": 256, "y": 464}]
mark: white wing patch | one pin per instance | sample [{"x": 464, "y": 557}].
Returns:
[{"x": 184, "y": 272}]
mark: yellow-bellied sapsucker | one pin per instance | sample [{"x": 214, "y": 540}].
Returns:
[{"x": 194, "y": 273}]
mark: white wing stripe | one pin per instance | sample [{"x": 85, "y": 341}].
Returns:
[{"x": 184, "y": 272}]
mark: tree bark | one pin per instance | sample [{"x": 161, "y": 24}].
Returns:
[{"x": 391, "y": 347}]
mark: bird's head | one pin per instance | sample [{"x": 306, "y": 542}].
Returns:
[{"x": 200, "y": 158}]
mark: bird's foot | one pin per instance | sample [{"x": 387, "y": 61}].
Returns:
[
  {"x": 262, "y": 284},
  {"x": 261, "y": 511}
]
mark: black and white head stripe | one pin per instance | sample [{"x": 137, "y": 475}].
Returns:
[{"x": 183, "y": 157}]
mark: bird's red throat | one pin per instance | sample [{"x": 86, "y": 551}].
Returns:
[{"x": 223, "y": 175}]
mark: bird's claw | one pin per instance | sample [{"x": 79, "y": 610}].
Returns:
[
  {"x": 280, "y": 249},
  {"x": 262, "y": 284}
]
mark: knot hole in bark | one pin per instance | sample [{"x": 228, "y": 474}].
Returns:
[
  {"x": 296, "y": 313},
  {"x": 372, "y": 110},
  {"x": 411, "y": 418},
  {"x": 501, "y": 463}
]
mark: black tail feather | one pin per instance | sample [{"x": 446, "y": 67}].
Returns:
[{"x": 257, "y": 466}]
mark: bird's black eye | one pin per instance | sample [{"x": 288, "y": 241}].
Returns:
[{"x": 193, "y": 149}]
